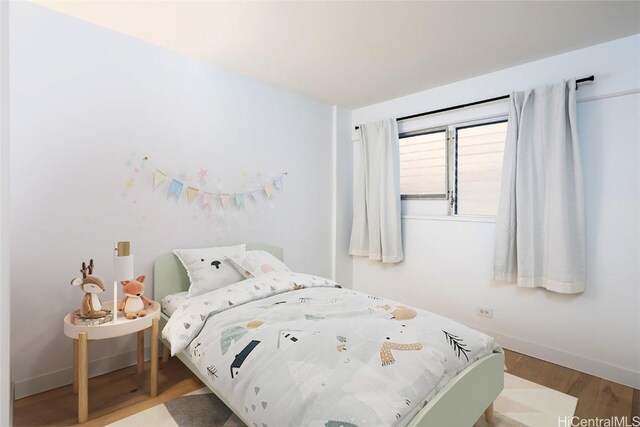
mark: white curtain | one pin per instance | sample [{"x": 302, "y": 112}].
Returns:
[
  {"x": 540, "y": 225},
  {"x": 376, "y": 229}
]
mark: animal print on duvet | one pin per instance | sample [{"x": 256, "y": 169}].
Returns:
[{"x": 320, "y": 355}]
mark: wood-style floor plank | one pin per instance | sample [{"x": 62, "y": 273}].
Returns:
[
  {"x": 586, "y": 390},
  {"x": 614, "y": 400},
  {"x": 122, "y": 393},
  {"x": 112, "y": 396},
  {"x": 597, "y": 397}
]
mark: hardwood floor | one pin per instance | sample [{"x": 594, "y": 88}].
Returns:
[
  {"x": 112, "y": 396},
  {"x": 597, "y": 397},
  {"x": 122, "y": 393}
]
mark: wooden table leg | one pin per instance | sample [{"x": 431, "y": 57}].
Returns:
[
  {"x": 154, "y": 357},
  {"x": 75, "y": 366},
  {"x": 166, "y": 353},
  {"x": 83, "y": 378},
  {"x": 140, "y": 367}
]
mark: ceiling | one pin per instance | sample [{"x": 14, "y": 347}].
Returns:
[{"x": 357, "y": 53}]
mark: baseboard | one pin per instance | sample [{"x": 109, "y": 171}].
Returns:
[
  {"x": 567, "y": 359},
  {"x": 62, "y": 377}
]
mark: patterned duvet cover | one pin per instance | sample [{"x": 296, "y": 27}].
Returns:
[{"x": 289, "y": 349}]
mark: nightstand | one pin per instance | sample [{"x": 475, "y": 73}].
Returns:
[{"x": 81, "y": 336}]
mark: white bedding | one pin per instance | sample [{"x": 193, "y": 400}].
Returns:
[
  {"x": 288, "y": 349},
  {"x": 171, "y": 302}
]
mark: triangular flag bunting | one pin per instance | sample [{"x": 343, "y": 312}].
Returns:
[
  {"x": 192, "y": 193},
  {"x": 158, "y": 177},
  {"x": 207, "y": 199},
  {"x": 277, "y": 183},
  {"x": 257, "y": 195},
  {"x": 268, "y": 189},
  {"x": 175, "y": 188},
  {"x": 224, "y": 199},
  {"x": 239, "y": 200}
]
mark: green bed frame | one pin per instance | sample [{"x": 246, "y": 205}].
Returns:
[{"x": 460, "y": 403}]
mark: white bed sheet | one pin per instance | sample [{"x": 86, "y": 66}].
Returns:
[{"x": 171, "y": 302}]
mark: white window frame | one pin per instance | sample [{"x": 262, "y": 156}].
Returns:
[
  {"x": 430, "y": 196},
  {"x": 451, "y": 161}
]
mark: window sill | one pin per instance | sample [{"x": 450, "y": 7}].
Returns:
[{"x": 458, "y": 218}]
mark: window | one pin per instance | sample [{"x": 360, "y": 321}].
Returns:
[
  {"x": 461, "y": 163},
  {"x": 478, "y": 168},
  {"x": 423, "y": 164}
]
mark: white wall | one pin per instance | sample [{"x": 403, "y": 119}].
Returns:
[
  {"x": 449, "y": 261},
  {"x": 85, "y": 101},
  {"x": 342, "y": 196},
  {"x": 5, "y": 287}
]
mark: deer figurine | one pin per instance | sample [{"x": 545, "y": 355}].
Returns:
[{"x": 91, "y": 285}]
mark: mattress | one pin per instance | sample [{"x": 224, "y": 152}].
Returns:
[
  {"x": 289, "y": 349},
  {"x": 171, "y": 302}
]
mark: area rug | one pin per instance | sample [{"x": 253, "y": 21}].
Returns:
[{"x": 521, "y": 403}]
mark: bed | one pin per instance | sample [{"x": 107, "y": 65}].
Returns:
[{"x": 458, "y": 400}]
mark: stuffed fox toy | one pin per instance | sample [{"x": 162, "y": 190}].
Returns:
[{"x": 132, "y": 305}]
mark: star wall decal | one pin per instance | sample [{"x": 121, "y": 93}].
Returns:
[
  {"x": 129, "y": 183},
  {"x": 203, "y": 173}
]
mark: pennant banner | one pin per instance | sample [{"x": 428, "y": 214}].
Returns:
[
  {"x": 224, "y": 199},
  {"x": 158, "y": 177},
  {"x": 207, "y": 199},
  {"x": 175, "y": 189},
  {"x": 239, "y": 199},
  {"x": 257, "y": 195},
  {"x": 277, "y": 183},
  {"x": 268, "y": 189},
  {"x": 192, "y": 193}
]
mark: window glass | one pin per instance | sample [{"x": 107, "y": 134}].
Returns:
[
  {"x": 478, "y": 162},
  {"x": 423, "y": 165}
]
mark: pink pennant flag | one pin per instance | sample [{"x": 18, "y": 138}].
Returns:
[
  {"x": 224, "y": 199},
  {"x": 207, "y": 199}
]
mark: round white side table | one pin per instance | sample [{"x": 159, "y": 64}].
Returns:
[{"x": 81, "y": 335}]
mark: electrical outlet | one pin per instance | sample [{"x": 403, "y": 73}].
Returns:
[{"x": 485, "y": 312}]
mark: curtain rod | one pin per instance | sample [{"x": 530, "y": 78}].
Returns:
[{"x": 471, "y": 104}]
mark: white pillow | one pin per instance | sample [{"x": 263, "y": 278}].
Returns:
[
  {"x": 257, "y": 263},
  {"x": 209, "y": 268}
]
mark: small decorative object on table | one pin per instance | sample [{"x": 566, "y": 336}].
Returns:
[
  {"x": 122, "y": 270},
  {"x": 133, "y": 303},
  {"x": 86, "y": 321},
  {"x": 91, "y": 285}
]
